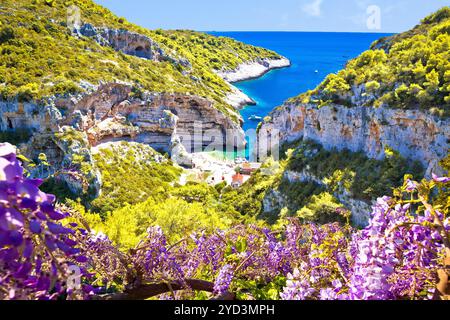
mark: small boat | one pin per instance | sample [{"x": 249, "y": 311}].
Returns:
[
  {"x": 240, "y": 160},
  {"x": 317, "y": 71},
  {"x": 255, "y": 118}
]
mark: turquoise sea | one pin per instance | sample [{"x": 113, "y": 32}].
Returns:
[{"x": 308, "y": 52}]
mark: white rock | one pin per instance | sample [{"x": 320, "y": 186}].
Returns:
[{"x": 252, "y": 70}]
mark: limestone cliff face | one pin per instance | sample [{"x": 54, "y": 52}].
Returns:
[
  {"x": 247, "y": 71},
  {"x": 174, "y": 123},
  {"x": 153, "y": 118},
  {"x": 415, "y": 134},
  {"x": 130, "y": 43},
  {"x": 60, "y": 150},
  {"x": 111, "y": 113}
]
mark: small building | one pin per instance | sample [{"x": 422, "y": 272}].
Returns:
[
  {"x": 249, "y": 168},
  {"x": 237, "y": 180}
]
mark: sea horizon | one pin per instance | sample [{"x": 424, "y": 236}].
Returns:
[{"x": 284, "y": 31}]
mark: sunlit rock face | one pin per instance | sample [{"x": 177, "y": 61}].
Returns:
[
  {"x": 110, "y": 113},
  {"x": 415, "y": 134},
  {"x": 130, "y": 43},
  {"x": 169, "y": 122},
  {"x": 28, "y": 115}
]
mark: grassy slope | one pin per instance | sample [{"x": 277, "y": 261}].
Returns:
[
  {"x": 413, "y": 72},
  {"x": 39, "y": 56}
]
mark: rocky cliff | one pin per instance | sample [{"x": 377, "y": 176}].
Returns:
[
  {"x": 130, "y": 43},
  {"x": 415, "y": 134},
  {"x": 175, "y": 123},
  {"x": 112, "y": 112}
]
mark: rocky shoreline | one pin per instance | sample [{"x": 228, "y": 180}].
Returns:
[
  {"x": 249, "y": 71},
  {"x": 253, "y": 70},
  {"x": 238, "y": 99}
]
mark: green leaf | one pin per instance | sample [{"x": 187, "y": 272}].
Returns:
[
  {"x": 241, "y": 245},
  {"x": 23, "y": 158},
  {"x": 228, "y": 250},
  {"x": 273, "y": 294}
]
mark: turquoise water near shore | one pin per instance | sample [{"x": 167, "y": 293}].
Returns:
[{"x": 308, "y": 52}]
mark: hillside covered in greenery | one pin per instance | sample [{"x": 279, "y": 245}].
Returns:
[
  {"x": 41, "y": 57},
  {"x": 150, "y": 195},
  {"x": 328, "y": 173},
  {"x": 410, "y": 70}
]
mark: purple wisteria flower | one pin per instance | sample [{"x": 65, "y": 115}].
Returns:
[
  {"x": 411, "y": 185},
  {"x": 224, "y": 279},
  {"x": 297, "y": 287},
  {"x": 36, "y": 249},
  {"x": 441, "y": 179}
]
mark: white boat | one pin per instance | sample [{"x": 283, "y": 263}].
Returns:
[
  {"x": 255, "y": 118},
  {"x": 240, "y": 160}
]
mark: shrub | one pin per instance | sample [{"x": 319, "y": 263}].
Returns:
[
  {"x": 323, "y": 209},
  {"x": 6, "y": 34}
]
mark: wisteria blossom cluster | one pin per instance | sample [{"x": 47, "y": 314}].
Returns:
[
  {"x": 47, "y": 251},
  {"x": 38, "y": 254},
  {"x": 396, "y": 257}
]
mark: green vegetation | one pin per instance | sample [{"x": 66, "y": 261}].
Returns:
[
  {"x": 269, "y": 185},
  {"x": 365, "y": 178},
  {"x": 59, "y": 188},
  {"x": 15, "y": 137},
  {"x": 332, "y": 172},
  {"x": 323, "y": 209},
  {"x": 140, "y": 189},
  {"x": 73, "y": 157},
  {"x": 409, "y": 70},
  {"x": 40, "y": 57},
  {"x": 148, "y": 175}
]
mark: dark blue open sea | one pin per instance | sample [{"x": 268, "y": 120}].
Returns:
[{"x": 308, "y": 52}]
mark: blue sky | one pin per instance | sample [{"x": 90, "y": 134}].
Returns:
[{"x": 276, "y": 15}]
